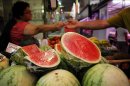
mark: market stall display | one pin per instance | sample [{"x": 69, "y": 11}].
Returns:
[{"x": 73, "y": 54}]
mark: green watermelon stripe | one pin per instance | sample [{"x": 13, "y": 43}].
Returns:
[
  {"x": 100, "y": 75},
  {"x": 42, "y": 81},
  {"x": 71, "y": 80},
  {"x": 1, "y": 68},
  {"x": 60, "y": 79},
  {"x": 90, "y": 80},
  {"x": 90, "y": 75},
  {"x": 10, "y": 80},
  {"x": 4, "y": 72}
]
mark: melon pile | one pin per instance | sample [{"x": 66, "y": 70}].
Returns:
[{"x": 75, "y": 61}]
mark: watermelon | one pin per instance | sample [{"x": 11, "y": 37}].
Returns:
[
  {"x": 79, "y": 51},
  {"x": 105, "y": 75},
  {"x": 17, "y": 76},
  {"x": 42, "y": 59},
  {"x": 46, "y": 59},
  {"x": 58, "y": 48},
  {"x": 58, "y": 77},
  {"x": 45, "y": 47},
  {"x": 19, "y": 55},
  {"x": 4, "y": 62}
]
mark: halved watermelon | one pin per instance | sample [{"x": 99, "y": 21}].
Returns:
[
  {"x": 58, "y": 48},
  {"x": 46, "y": 59},
  {"x": 80, "y": 47}
]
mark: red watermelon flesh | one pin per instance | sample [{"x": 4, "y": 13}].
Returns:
[
  {"x": 40, "y": 58},
  {"x": 80, "y": 47},
  {"x": 58, "y": 48},
  {"x": 31, "y": 49}
]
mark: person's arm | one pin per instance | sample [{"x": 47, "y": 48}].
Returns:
[
  {"x": 93, "y": 25},
  {"x": 31, "y": 29},
  {"x": 114, "y": 21}
]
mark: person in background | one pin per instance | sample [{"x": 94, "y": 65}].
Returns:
[
  {"x": 121, "y": 19},
  {"x": 18, "y": 28},
  {"x": 122, "y": 40},
  {"x": 112, "y": 39}
]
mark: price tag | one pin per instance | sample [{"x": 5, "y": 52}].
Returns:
[{"x": 12, "y": 48}]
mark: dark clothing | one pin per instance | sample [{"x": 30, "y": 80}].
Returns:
[
  {"x": 122, "y": 46},
  {"x": 129, "y": 46},
  {"x": 1, "y": 25}
]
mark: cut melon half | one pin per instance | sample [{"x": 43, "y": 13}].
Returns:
[
  {"x": 58, "y": 48},
  {"x": 80, "y": 47},
  {"x": 45, "y": 59}
]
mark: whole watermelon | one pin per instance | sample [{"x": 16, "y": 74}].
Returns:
[
  {"x": 58, "y": 77},
  {"x": 17, "y": 76},
  {"x": 105, "y": 75}
]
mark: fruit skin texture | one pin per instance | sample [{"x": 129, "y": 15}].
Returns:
[
  {"x": 80, "y": 47},
  {"x": 58, "y": 77},
  {"x": 4, "y": 63},
  {"x": 105, "y": 75},
  {"x": 78, "y": 51},
  {"x": 45, "y": 59},
  {"x": 17, "y": 76}
]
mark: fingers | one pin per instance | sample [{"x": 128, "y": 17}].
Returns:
[
  {"x": 59, "y": 25},
  {"x": 71, "y": 23}
]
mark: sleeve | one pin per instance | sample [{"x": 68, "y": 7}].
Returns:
[{"x": 116, "y": 20}]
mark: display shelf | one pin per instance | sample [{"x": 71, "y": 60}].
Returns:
[{"x": 118, "y": 61}]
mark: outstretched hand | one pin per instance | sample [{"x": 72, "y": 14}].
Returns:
[
  {"x": 59, "y": 25},
  {"x": 73, "y": 24}
]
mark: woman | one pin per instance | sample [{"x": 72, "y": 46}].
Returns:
[{"x": 19, "y": 29}]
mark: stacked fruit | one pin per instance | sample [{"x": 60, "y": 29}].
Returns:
[
  {"x": 53, "y": 40},
  {"x": 76, "y": 61}
]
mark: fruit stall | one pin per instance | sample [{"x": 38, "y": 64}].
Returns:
[{"x": 67, "y": 60}]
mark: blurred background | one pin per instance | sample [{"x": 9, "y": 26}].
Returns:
[{"x": 82, "y": 10}]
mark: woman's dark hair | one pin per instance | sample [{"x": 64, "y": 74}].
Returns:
[{"x": 17, "y": 11}]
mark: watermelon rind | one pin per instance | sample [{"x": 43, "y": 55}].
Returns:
[
  {"x": 31, "y": 52},
  {"x": 76, "y": 63},
  {"x": 46, "y": 66},
  {"x": 17, "y": 75},
  {"x": 4, "y": 62},
  {"x": 77, "y": 57},
  {"x": 56, "y": 48},
  {"x": 58, "y": 77},
  {"x": 18, "y": 57},
  {"x": 105, "y": 75}
]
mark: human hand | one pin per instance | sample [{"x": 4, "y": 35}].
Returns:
[
  {"x": 59, "y": 25},
  {"x": 73, "y": 24}
]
